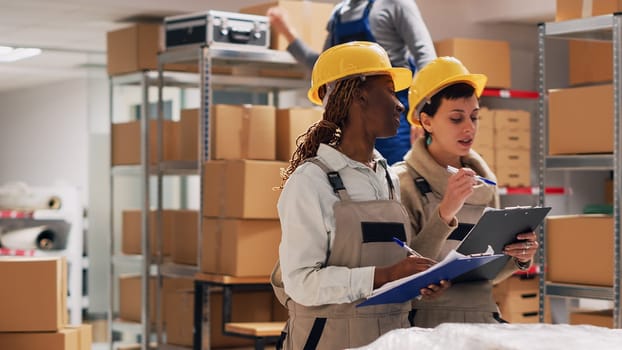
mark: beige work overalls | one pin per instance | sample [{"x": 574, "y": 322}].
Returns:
[
  {"x": 469, "y": 302},
  {"x": 363, "y": 237}
]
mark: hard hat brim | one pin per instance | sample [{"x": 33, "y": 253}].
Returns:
[
  {"x": 401, "y": 80},
  {"x": 477, "y": 81}
]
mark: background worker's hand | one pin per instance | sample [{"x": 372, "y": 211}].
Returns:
[
  {"x": 524, "y": 248},
  {"x": 459, "y": 188},
  {"x": 280, "y": 23},
  {"x": 433, "y": 291}
]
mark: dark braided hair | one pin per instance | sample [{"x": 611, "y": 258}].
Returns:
[{"x": 327, "y": 130}]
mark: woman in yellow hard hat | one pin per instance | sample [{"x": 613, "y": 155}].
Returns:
[
  {"x": 443, "y": 205},
  {"x": 339, "y": 208}
]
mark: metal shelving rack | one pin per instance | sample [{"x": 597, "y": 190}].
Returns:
[
  {"x": 206, "y": 58},
  {"x": 600, "y": 28}
]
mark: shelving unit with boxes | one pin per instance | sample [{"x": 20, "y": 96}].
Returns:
[
  {"x": 237, "y": 176},
  {"x": 565, "y": 145}
]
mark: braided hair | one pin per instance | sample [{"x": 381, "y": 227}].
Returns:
[{"x": 327, "y": 130}]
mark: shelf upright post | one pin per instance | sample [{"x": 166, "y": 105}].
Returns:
[
  {"x": 202, "y": 336},
  {"x": 109, "y": 315},
  {"x": 617, "y": 165},
  {"x": 159, "y": 220},
  {"x": 146, "y": 245},
  {"x": 542, "y": 149}
]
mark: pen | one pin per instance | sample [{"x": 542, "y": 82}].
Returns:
[
  {"x": 405, "y": 246},
  {"x": 480, "y": 178}
]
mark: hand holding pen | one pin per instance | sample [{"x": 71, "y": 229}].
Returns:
[
  {"x": 406, "y": 247},
  {"x": 479, "y": 178}
]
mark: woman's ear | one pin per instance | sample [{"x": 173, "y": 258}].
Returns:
[{"x": 426, "y": 121}]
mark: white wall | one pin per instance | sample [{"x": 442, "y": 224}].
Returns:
[{"x": 43, "y": 139}]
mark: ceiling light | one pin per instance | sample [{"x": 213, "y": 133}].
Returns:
[{"x": 10, "y": 54}]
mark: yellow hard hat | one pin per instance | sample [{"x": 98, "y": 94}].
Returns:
[
  {"x": 354, "y": 58},
  {"x": 435, "y": 76}
]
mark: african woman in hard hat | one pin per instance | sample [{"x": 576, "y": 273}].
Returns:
[
  {"x": 443, "y": 206},
  {"x": 397, "y": 25},
  {"x": 340, "y": 208}
]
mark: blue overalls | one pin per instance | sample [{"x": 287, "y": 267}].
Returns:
[{"x": 392, "y": 148}]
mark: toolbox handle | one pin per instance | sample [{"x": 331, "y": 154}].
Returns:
[{"x": 239, "y": 36}]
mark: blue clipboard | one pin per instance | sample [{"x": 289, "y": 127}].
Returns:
[{"x": 408, "y": 288}]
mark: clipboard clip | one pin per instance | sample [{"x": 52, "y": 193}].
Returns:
[{"x": 489, "y": 251}]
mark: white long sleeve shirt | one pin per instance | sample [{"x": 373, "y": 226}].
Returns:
[{"x": 307, "y": 221}]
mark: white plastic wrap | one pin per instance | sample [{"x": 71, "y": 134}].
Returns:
[{"x": 460, "y": 336}]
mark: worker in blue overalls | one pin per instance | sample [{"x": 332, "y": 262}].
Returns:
[{"x": 397, "y": 25}]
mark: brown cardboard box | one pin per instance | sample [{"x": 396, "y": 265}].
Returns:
[
  {"x": 126, "y": 142},
  {"x": 247, "y": 306},
  {"x": 243, "y": 132},
  {"x": 566, "y": 238},
  {"x": 589, "y": 62},
  {"x": 189, "y": 134},
  {"x": 512, "y": 119},
  {"x": 240, "y": 247},
  {"x": 512, "y": 139},
  {"x": 513, "y": 176},
  {"x": 241, "y": 188},
  {"x": 185, "y": 239},
  {"x": 85, "y": 335},
  {"x": 133, "y": 49},
  {"x": 570, "y": 9},
  {"x": 291, "y": 123},
  {"x": 516, "y": 285},
  {"x": 513, "y": 158},
  {"x": 485, "y": 138},
  {"x": 64, "y": 339},
  {"x": 130, "y": 295},
  {"x": 490, "y": 57},
  {"x": 488, "y": 153},
  {"x": 568, "y": 115},
  {"x": 33, "y": 296},
  {"x": 308, "y": 19},
  {"x": 600, "y": 318},
  {"x": 131, "y": 240},
  {"x": 521, "y": 317}
]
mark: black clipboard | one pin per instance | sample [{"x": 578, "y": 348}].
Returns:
[{"x": 497, "y": 228}]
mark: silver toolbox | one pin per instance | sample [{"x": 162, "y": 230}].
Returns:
[{"x": 220, "y": 28}]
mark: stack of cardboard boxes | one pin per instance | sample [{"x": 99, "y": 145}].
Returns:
[
  {"x": 33, "y": 305},
  {"x": 517, "y": 298}
]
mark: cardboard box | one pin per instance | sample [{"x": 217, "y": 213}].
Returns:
[
  {"x": 186, "y": 237},
  {"x": 488, "y": 153},
  {"x": 126, "y": 142},
  {"x": 130, "y": 295},
  {"x": 189, "y": 135},
  {"x": 589, "y": 62},
  {"x": 241, "y": 189},
  {"x": 490, "y": 57},
  {"x": 85, "y": 335},
  {"x": 308, "y": 19},
  {"x": 291, "y": 123},
  {"x": 514, "y": 158},
  {"x": 247, "y": 306},
  {"x": 512, "y": 139},
  {"x": 512, "y": 119},
  {"x": 566, "y": 239},
  {"x": 133, "y": 49},
  {"x": 513, "y": 176},
  {"x": 64, "y": 339},
  {"x": 568, "y": 115},
  {"x": 136, "y": 47},
  {"x": 570, "y": 9},
  {"x": 521, "y": 317},
  {"x": 240, "y": 247},
  {"x": 33, "y": 296},
  {"x": 131, "y": 240},
  {"x": 485, "y": 138},
  {"x": 243, "y": 132},
  {"x": 516, "y": 285},
  {"x": 599, "y": 318}
]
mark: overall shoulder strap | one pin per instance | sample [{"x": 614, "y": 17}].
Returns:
[
  {"x": 420, "y": 183},
  {"x": 333, "y": 178}
]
